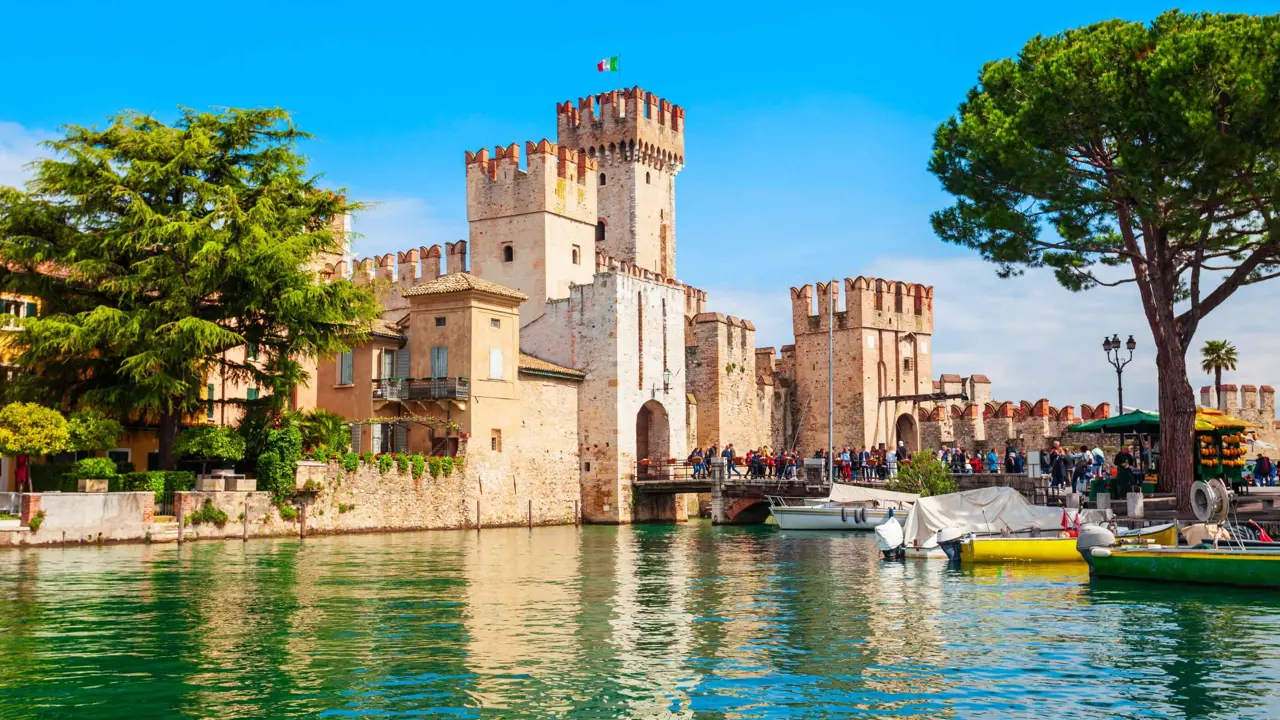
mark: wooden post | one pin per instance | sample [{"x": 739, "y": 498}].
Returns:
[
  {"x": 246, "y": 517},
  {"x": 177, "y": 510},
  {"x": 577, "y": 514},
  {"x": 302, "y": 521},
  {"x": 477, "y": 516},
  {"x": 530, "y": 514}
]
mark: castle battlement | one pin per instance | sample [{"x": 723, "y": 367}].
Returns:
[
  {"x": 1230, "y": 398},
  {"x": 869, "y": 303},
  {"x": 555, "y": 179},
  {"x": 695, "y": 299},
  {"x": 403, "y": 269},
  {"x": 624, "y": 126},
  {"x": 1028, "y": 425}
]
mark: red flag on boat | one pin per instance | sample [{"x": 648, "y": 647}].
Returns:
[
  {"x": 1066, "y": 524},
  {"x": 1262, "y": 534}
]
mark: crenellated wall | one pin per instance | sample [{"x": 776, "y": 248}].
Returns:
[
  {"x": 1256, "y": 404},
  {"x": 1026, "y": 425}
]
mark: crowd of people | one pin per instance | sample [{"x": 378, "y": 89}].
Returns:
[{"x": 863, "y": 463}]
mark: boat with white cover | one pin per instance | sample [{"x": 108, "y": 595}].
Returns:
[
  {"x": 849, "y": 507},
  {"x": 937, "y": 522}
]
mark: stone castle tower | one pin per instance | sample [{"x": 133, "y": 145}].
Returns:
[
  {"x": 882, "y": 349},
  {"x": 638, "y": 140}
]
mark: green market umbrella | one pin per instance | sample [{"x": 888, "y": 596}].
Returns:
[{"x": 1137, "y": 421}]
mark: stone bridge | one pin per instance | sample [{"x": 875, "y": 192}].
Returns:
[{"x": 736, "y": 500}]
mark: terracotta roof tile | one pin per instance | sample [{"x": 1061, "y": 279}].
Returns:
[
  {"x": 538, "y": 365},
  {"x": 386, "y": 328},
  {"x": 461, "y": 282}
]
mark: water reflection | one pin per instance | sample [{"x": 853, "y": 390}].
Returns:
[{"x": 661, "y": 621}]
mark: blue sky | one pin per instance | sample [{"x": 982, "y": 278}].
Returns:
[{"x": 808, "y": 131}]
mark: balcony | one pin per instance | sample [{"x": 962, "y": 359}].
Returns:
[{"x": 397, "y": 390}]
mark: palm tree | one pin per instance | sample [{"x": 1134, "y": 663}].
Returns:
[
  {"x": 1216, "y": 356},
  {"x": 321, "y": 427}
]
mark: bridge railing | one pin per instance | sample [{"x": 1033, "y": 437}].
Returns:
[{"x": 685, "y": 472}]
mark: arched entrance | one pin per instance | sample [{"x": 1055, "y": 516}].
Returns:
[
  {"x": 907, "y": 432},
  {"x": 653, "y": 433}
]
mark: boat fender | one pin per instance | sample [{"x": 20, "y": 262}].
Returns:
[
  {"x": 844, "y": 517},
  {"x": 862, "y": 516},
  {"x": 890, "y": 512}
]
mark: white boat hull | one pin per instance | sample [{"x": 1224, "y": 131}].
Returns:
[{"x": 831, "y": 518}]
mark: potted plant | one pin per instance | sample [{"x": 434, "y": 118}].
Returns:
[{"x": 210, "y": 444}]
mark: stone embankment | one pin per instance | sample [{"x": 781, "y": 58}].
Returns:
[{"x": 330, "y": 500}]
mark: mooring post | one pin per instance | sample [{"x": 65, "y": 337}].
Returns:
[
  {"x": 302, "y": 521},
  {"x": 477, "y": 516},
  {"x": 530, "y": 514},
  {"x": 177, "y": 510},
  {"x": 246, "y": 517}
]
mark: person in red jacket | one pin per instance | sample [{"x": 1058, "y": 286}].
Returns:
[{"x": 976, "y": 462}]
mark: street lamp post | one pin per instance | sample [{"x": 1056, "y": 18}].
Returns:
[{"x": 1112, "y": 347}]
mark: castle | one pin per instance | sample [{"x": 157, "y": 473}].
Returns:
[{"x": 557, "y": 346}]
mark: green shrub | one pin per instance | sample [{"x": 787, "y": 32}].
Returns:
[
  {"x": 95, "y": 469},
  {"x": 179, "y": 480},
  {"x": 447, "y": 465},
  {"x": 207, "y": 514},
  {"x": 366, "y": 457},
  {"x": 416, "y": 466},
  {"x": 209, "y": 443},
  {"x": 344, "y": 508},
  {"x": 923, "y": 474},
  {"x": 48, "y": 477},
  {"x": 288, "y": 513},
  {"x": 384, "y": 464},
  {"x": 433, "y": 467},
  {"x": 36, "y": 522},
  {"x": 402, "y": 464},
  {"x": 351, "y": 462},
  {"x": 278, "y": 462},
  {"x": 141, "y": 482}
]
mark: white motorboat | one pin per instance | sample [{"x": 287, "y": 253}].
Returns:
[{"x": 849, "y": 507}]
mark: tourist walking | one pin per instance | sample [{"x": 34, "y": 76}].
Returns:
[{"x": 732, "y": 469}]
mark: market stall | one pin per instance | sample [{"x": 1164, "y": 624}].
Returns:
[
  {"x": 1140, "y": 423},
  {"x": 1220, "y": 443}
]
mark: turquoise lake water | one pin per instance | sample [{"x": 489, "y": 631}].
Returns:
[{"x": 599, "y": 622}]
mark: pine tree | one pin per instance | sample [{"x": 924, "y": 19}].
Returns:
[{"x": 157, "y": 248}]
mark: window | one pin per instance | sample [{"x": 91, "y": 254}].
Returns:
[
  {"x": 495, "y": 440},
  {"x": 495, "y": 323},
  {"x": 120, "y": 455},
  {"x": 508, "y": 253},
  {"x": 251, "y": 352},
  {"x": 376, "y": 431},
  {"x": 346, "y": 369},
  {"x": 586, "y": 466},
  {"x": 646, "y": 178},
  {"x": 388, "y": 364},
  {"x": 602, "y": 179},
  {"x": 577, "y": 255},
  {"x": 251, "y": 394},
  {"x": 153, "y": 461},
  {"x": 439, "y": 322},
  {"x": 439, "y": 362},
  {"x": 31, "y": 310},
  {"x": 600, "y": 231},
  {"x": 208, "y": 412},
  {"x": 495, "y": 363},
  {"x": 906, "y": 364}
]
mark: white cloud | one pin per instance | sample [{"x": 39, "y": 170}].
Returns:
[
  {"x": 18, "y": 147},
  {"x": 1032, "y": 337},
  {"x": 399, "y": 224}
]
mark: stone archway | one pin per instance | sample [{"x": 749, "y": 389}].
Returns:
[
  {"x": 907, "y": 432},
  {"x": 653, "y": 433}
]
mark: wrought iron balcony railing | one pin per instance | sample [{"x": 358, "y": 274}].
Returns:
[{"x": 422, "y": 389}]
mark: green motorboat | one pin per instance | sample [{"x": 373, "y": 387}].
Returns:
[{"x": 1248, "y": 567}]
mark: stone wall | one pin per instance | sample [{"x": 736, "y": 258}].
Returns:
[
  {"x": 83, "y": 517},
  {"x": 721, "y": 367},
  {"x": 1256, "y": 404},
  {"x": 1028, "y": 426}
]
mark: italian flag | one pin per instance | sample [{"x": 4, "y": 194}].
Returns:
[{"x": 608, "y": 64}]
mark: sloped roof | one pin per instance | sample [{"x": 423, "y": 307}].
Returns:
[
  {"x": 538, "y": 366},
  {"x": 461, "y": 282},
  {"x": 386, "y": 328}
]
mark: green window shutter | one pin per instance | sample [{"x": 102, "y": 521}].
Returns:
[
  {"x": 439, "y": 362},
  {"x": 402, "y": 363},
  {"x": 355, "y": 438},
  {"x": 208, "y": 413},
  {"x": 32, "y": 310},
  {"x": 346, "y": 369},
  {"x": 251, "y": 393}
]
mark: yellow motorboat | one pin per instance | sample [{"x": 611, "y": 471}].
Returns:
[{"x": 997, "y": 549}]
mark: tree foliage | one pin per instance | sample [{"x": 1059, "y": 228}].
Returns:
[
  {"x": 925, "y": 475},
  {"x": 157, "y": 248},
  {"x": 1217, "y": 356},
  {"x": 91, "y": 431},
  {"x": 322, "y": 428},
  {"x": 1128, "y": 153},
  {"x": 209, "y": 442},
  {"x": 30, "y": 429}
]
